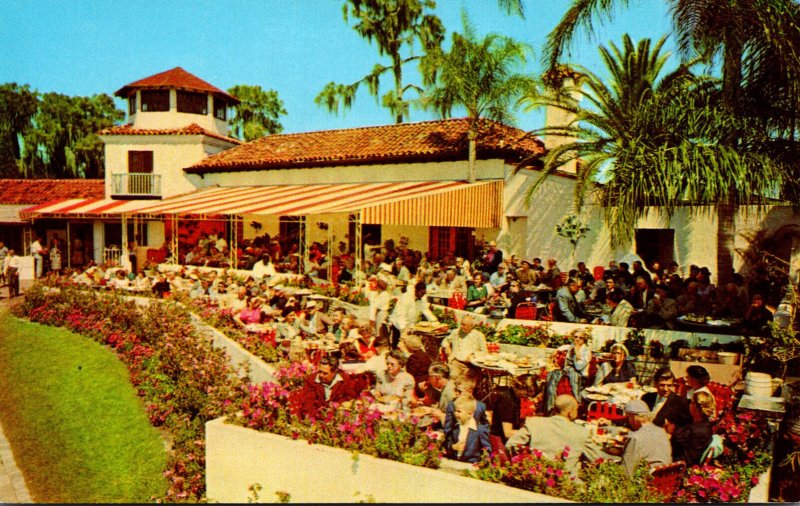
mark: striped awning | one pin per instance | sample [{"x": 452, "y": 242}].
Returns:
[
  {"x": 422, "y": 203},
  {"x": 453, "y": 203},
  {"x": 84, "y": 208}
]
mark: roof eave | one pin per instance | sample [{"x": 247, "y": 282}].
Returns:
[{"x": 397, "y": 159}]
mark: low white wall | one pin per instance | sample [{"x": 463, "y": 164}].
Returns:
[
  {"x": 237, "y": 457},
  {"x": 238, "y": 357},
  {"x": 602, "y": 333}
]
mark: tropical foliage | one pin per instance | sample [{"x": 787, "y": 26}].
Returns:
[
  {"x": 399, "y": 28},
  {"x": 480, "y": 75},
  {"x": 754, "y": 46},
  {"x": 258, "y": 112},
  {"x": 52, "y": 135},
  {"x": 653, "y": 139}
]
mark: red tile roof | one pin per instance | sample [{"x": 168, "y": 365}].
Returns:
[
  {"x": 40, "y": 191},
  {"x": 175, "y": 78},
  {"x": 193, "y": 129},
  {"x": 402, "y": 143}
]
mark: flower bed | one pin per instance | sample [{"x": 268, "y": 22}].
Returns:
[
  {"x": 275, "y": 407},
  {"x": 183, "y": 381}
]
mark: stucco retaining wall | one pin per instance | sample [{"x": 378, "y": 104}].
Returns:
[{"x": 237, "y": 457}]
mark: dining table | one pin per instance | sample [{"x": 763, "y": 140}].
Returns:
[
  {"x": 615, "y": 393},
  {"x": 498, "y": 368},
  {"x": 431, "y": 334},
  {"x": 708, "y": 325}
]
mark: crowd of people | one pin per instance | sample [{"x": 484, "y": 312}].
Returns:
[{"x": 383, "y": 354}]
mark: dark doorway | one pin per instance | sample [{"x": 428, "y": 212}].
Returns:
[{"x": 655, "y": 244}]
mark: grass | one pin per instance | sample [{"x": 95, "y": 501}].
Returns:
[{"x": 77, "y": 428}]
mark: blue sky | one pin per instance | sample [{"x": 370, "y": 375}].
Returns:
[{"x": 295, "y": 47}]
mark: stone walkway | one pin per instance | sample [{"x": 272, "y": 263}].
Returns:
[{"x": 12, "y": 484}]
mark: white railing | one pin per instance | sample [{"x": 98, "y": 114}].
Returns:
[
  {"x": 111, "y": 255},
  {"x": 136, "y": 184}
]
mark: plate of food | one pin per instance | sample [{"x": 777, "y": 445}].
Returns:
[{"x": 597, "y": 397}]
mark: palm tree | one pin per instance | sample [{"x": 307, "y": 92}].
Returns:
[
  {"x": 748, "y": 35},
  {"x": 478, "y": 75},
  {"x": 396, "y": 26},
  {"x": 652, "y": 140}
]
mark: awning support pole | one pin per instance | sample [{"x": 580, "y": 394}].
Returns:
[
  {"x": 174, "y": 240},
  {"x": 302, "y": 238},
  {"x": 124, "y": 259},
  {"x": 233, "y": 243},
  {"x": 358, "y": 253},
  {"x": 330, "y": 253},
  {"x": 69, "y": 249}
]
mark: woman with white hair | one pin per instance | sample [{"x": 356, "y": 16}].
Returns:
[{"x": 618, "y": 370}]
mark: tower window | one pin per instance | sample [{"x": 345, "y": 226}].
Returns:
[
  {"x": 193, "y": 103},
  {"x": 132, "y": 103},
  {"x": 155, "y": 100},
  {"x": 220, "y": 108}
]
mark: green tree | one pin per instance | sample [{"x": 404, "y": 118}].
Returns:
[
  {"x": 652, "y": 139},
  {"x": 18, "y": 104},
  {"x": 480, "y": 76},
  {"x": 63, "y": 142},
  {"x": 397, "y": 27},
  {"x": 258, "y": 112},
  {"x": 747, "y": 37}
]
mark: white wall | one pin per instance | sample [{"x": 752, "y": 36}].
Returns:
[
  {"x": 237, "y": 457},
  {"x": 438, "y": 171},
  {"x": 171, "y": 154},
  {"x": 175, "y": 119}
]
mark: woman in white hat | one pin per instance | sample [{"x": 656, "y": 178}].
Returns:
[{"x": 618, "y": 370}]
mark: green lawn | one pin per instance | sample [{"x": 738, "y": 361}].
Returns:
[{"x": 78, "y": 431}]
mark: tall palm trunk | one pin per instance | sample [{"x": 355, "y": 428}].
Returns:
[
  {"x": 472, "y": 134},
  {"x": 726, "y": 219}
]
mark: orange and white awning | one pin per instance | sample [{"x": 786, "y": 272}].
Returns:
[
  {"x": 422, "y": 203},
  {"x": 84, "y": 208}
]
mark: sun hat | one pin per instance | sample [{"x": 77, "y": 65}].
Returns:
[
  {"x": 636, "y": 407},
  {"x": 311, "y": 304},
  {"x": 621, "y": 347}
]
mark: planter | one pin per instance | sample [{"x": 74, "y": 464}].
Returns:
[
  {"x": 238, "y": 457},
  {"x": 361, "y": 312}
]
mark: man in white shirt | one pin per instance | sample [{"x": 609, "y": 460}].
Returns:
[
  {"x": 461, "y": 346},
  {"x": 36, "y": 251},
  {"x": 410, "y": 306},
  {"x": 11, "y": 267},
  {"x": 379, "y": 310}
]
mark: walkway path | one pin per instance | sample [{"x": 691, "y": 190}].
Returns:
[{"x": 12, "y": 484}]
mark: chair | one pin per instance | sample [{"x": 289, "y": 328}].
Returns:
[
  {"x": 667, "y": 478},
  {"x": 723, "y": 395},
  {"x": 498, "y": 448},
  {"x": 598, "y": 272},
  {"x": 525, "y": 311},
  {"x": 714, "y": 449},
  {"x": 527, "y": 407},
  {"x": 551, "y": 307},
  {"x": 603, "y": 410}
]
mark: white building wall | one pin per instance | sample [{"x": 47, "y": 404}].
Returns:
[
  {"x": 171, "y": 154},
  {"x": 435, "y": 171},
  {"x": 175, "y": 119}
]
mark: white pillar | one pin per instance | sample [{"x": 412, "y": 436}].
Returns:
[
  {"x": 98, "y": 241},
  {"x": 124, "y": 258}
]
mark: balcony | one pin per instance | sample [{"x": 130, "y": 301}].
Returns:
[{"x": 135, "y": 186}]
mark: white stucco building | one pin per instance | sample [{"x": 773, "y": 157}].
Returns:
[{"x": 173, "y": 161}]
